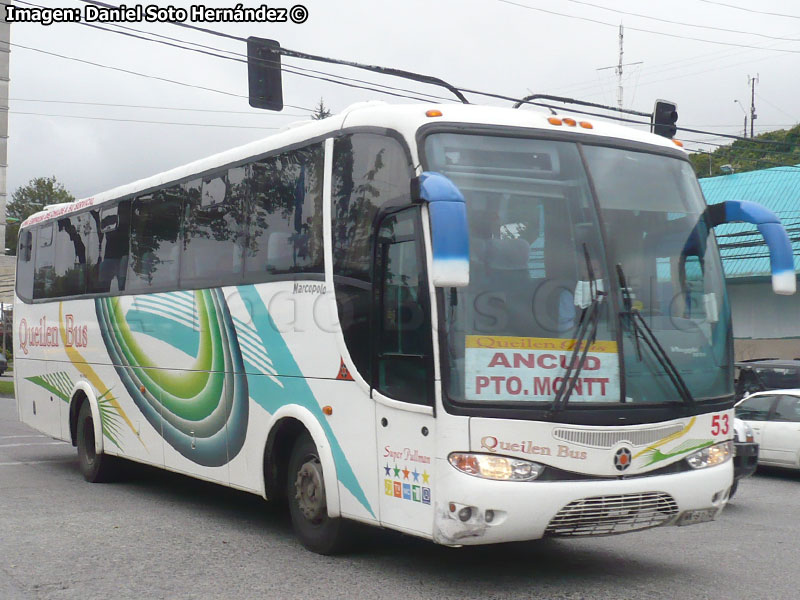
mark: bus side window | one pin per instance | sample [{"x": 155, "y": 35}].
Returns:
[
  {"x": 155, "y": 246},
  {"x": 108, "y": 248},
  {"x": 404, "y": 347},
  {"x": 44, "y": 275},
  {"x": 70, "y": 255},
  {"x": 212, "y": 229},
  {"x": 285, "y": 215},
  {"x": 25, "y": 264},
  {"x": 370, "y": 172}
]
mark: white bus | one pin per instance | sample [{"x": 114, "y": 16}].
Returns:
[{"x": 468, "y": 324}]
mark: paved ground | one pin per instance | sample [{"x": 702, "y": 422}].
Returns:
[{"x": 157, "y": 535}]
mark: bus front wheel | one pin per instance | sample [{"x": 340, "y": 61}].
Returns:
[
  {"x": 96, "y": 468},
  {"x": 307, "y": 502}
]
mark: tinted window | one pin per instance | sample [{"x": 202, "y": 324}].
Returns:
[
  {"x": 44, "y": 276},
  {"x": 787, "y": 409},
  {"x": 212, "y": 231},
  {"x": 404, "y": 333},
  {"x": 755, "y": 409},
  {"x": 285, "y": 227},
  {"x": 369, "y": 172},
  {"x": 70, "y": 255},
  {"x": 25, "y": 264},
  {"x": 108, "y": 248},
  {"x": 155, "y": 234}
]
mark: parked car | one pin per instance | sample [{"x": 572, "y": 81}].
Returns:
[
  {"x": 774, "y": 417},
  {"x": 745, "y": 453},
  {"x": 764, "y": 374},
  {"x": 3, "y": 364}
]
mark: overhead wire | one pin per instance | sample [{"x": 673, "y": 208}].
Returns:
[
  {"x": 292, "y": 70},
  {"x": 751, "y": 10},
  {"x": 639, "y": 29},
  {"x": 682, "y": 23},
  {"x": 151, "y": 107},
  {"x": 16, "y": 112}
]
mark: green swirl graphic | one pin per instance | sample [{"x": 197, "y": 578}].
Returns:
[{"x": 201, "y": 411}]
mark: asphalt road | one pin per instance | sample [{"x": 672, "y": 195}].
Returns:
[{"x": 159, "y": 535}]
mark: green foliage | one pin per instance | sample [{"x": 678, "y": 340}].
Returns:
[
  {"x": 320, "y": 112},
  {"x": 773, "y": 149},
  {"x": 6, "y": 388},
  {"x": 29, "y": 199}
]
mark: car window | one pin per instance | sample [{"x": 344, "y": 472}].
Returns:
[
  {"x": 755, "y": 409},
  {"x": 787, "y": 410}
]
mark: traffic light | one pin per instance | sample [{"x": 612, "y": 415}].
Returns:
[
  {"x": 665, "y": 117},
  {"x": 264, "y": 73}
]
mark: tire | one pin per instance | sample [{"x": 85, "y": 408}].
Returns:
[
  {"x": 307, "y": 503},
  {"x": 96, "y": 468},
  {"x": 734, "y": 487}
]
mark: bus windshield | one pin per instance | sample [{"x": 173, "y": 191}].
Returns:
[{"x": 556, "y": 228}]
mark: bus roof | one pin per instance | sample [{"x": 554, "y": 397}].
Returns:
[{"x": 405, "y": 118}]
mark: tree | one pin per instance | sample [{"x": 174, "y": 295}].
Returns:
[
  {"x": 29, "y": 199},
  {"x": 771, "y": 149},
  {"x": 320, "y": 112}
]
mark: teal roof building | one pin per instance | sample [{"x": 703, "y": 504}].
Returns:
[
  {"x": 744, "y": 253},
  {"x": 764, "y": 323}
]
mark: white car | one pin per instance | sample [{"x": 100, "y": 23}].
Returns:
[{"x": 774, "y": 417}]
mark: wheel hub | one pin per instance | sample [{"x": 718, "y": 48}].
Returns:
[{"x": 310, "y": 490}]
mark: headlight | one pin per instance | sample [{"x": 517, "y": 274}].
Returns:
[
  {"x": 501, "y": 468},
  {"x": 711, "y": 456}
]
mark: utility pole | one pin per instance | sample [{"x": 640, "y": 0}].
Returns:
[
  {"x": 744, "y": 134},
  {"x": 751, "y": 81},
  {"x": 619, "y": 67}
]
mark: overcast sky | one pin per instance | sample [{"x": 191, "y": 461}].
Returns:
[{"x": 494, "y": 45}]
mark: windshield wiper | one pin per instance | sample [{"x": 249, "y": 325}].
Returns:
[
  {"x": 642, "y": 329},
  {"x": 584, "y": 338}
]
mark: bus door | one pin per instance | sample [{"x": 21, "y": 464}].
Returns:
[{"x": 402, "y": 374}]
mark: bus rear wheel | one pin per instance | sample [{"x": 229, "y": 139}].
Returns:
[
  {"x": 308, "y": 506},
  {"x": 96, "y": 468}
]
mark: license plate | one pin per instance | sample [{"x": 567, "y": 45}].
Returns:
[{"x": 692, "y": 517}]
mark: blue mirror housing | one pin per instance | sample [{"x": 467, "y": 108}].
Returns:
[
  {"x": 781, "y": 259},
  {"x": 449, "y": 229}
]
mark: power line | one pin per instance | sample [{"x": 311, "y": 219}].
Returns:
[
  {"x": 15, "y": 112},
  {"x": 138, "y": 74},
  {"x": 177, "y": 108},
  {"x": 683, "y": 23},
  {"x": 751, "y": 10},
  {"x": 662, "y": 33},
  {"x": 232, "y": 58},
  {"x": 428, "y": 79}
]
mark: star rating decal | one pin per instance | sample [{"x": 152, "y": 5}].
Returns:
[{"x": 414, "y": 491}]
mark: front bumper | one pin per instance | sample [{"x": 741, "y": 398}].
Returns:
[
  {"x": 504, "y": 511},
  {"x": 745, "y": 459}
]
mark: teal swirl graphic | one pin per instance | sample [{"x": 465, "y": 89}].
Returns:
[{"x": 202, "y": 412}]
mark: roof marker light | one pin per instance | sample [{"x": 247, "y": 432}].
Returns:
[
  {"x": 554, "y": 120},
  {"x": 570, "y": 122},
  {"x": 678, "y": 143},
  {"x": 433, "y": 113},
  {"x": 586, "y": 125}
]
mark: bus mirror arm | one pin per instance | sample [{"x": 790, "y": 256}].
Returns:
[
  {"x": 449, "y": 229},
  {"x": 781, "y": 259}
]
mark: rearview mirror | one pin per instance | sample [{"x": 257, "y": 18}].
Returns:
[
  {"x": 781, "y": 259},
  {"x": 449, "y": 230}
]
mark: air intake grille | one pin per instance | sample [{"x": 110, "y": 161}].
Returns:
[
  {"x": 610, "y": 438},
  {"x": 606, "y": 515}
]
